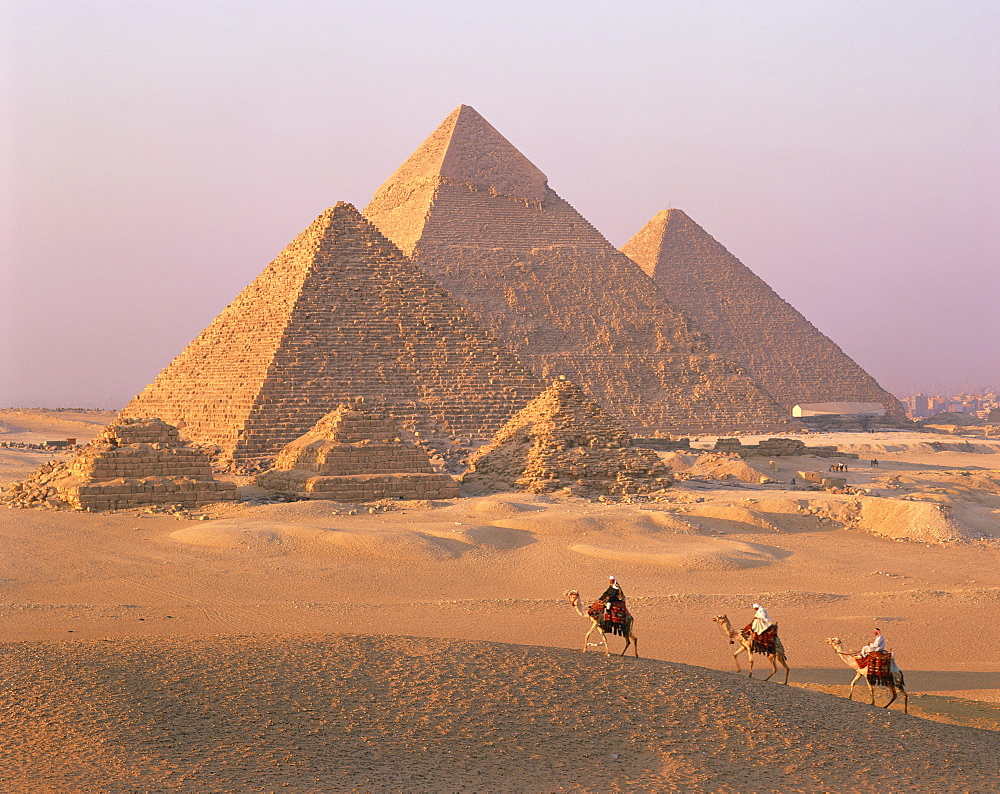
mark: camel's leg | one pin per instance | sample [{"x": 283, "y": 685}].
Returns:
[
  {"x": 750, "y": 657},
  {"x": 906, "y": 701},
  {"x": 774, "y": 666},
  {"x": 586, "y": 640},
  {"x": 871, "y": 691},
  {"x": 736, "y": 658},
  {"x": 635, "y": 644},
  {"x": 784, "y": 664},
  {"x": 604, "y": 639},
  {"x": 892, "y": 691},
  {"x": 856, "y": 677}
]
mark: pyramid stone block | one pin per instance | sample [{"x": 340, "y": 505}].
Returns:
[
  {"x": 563, "y": 439},
  {"x": 788, "y": 356},
  {"x": 475, "y": 214},
  {"x": 340, "y": 314},
  {"x": 356, "y": 456}
]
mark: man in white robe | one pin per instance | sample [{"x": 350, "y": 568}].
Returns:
[
  {"x": 877, "y": 644},
  {"x": 761, "y": 620}
]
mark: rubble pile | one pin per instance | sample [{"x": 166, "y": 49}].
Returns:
[
  {"x": 778, "y": 447},
  {"x": 562, "y": 440}
]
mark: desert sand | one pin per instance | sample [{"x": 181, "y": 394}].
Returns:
[{"x": 316, "y": 646}]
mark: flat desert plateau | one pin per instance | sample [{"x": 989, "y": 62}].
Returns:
[{"x": 315, "y": 646}]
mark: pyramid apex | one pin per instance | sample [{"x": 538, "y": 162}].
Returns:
[{"x": 466, "y": 148}]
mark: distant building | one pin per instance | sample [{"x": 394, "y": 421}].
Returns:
[{"x": 838, "y": 409}]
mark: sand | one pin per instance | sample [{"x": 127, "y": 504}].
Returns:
[{"x": 155, "y": 649}]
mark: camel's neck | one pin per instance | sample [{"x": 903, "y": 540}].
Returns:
[
  {"x": 846, "y": 658},
  {"x": 727, "y": 628}
]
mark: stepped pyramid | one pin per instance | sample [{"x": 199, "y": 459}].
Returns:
[
  {"x": 791, "y": 359},
  {"x": 356, "y": 456},
  {"x": 481, "y": 219},
  {"x": 131, "y": 463},
  {"x": 340, "y": 314},
  {"x": 563, "y": 439}
]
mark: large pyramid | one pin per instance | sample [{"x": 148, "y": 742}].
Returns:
[
  {"x": 481, "y": 219},
  {"x": 753, "y": 326},
  {"x": 340, "y": 314}
]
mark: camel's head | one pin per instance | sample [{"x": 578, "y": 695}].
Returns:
[
  {"x": 573, "y": 596},
  {"x": 833, "y": 641},
  {"x": 720, "y": 618}
]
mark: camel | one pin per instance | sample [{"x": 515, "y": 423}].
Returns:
[
  {"x": 736, "y": 638},
  {"x": 853, "y": 662},
  {"x": 630, "y": 638}
]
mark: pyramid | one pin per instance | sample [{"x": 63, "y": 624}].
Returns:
[
  {"x": 354, "y": 455},
  {"x": 563, "y": 439},
  {"x": 788, "y": 356},
  {"x": 131, "y": 463},
  {"x": 340, "y": 314},
  {"x": 480, "y": 218}
]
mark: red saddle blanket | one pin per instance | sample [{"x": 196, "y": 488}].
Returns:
[
  {"x": 766, "y": 642},
  {"x": 878, "y": 667},
  {"x": 613, "y": 620}
]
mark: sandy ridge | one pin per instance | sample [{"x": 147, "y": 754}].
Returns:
[{"x": 351, "y": 712}]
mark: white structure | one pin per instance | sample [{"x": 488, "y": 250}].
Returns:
[{"x": 838, "y": 409}]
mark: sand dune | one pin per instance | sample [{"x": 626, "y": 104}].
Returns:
[
  {"x": 705, "y": 555},
  {"x": 179, "y": 682},
  {"x": 379, "y": 713}
]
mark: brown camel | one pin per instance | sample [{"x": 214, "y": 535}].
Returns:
[
  {"x": 630, "y": 638},
  {"x": 854, "y": 663},
  {"x": 736, "y": 638}
]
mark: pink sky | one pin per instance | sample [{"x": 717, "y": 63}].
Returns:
[{"x": 157, "y": 155}]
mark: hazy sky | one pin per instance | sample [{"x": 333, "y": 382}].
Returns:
[{"x": 157, "y": 155}]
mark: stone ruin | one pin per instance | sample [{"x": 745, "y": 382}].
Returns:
[
  {"x": 778, "y": 447},
  {"x": 356, "y": 455},
  {"x": 563, "y": 440},
  {"x": 132, "y": 463}
]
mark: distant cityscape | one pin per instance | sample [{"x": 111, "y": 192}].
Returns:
[{"x": 920, "y": 406}]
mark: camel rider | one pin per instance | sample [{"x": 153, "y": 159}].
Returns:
[
  {"x": 613, "y": 594},
  {"x": 761, "y": 620},
  {"x": 876, "y": 645},
  {"x": 762, "y": 632}
]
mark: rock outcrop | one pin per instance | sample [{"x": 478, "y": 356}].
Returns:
[
  {"x": 563, "y": 439},
  {"x": 353, "y": 455}
]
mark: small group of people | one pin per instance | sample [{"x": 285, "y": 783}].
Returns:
[
  {"x": 838, "y": 467},
  {"x": 873, "y": 463},
  {"x": 611, "y": 611}
]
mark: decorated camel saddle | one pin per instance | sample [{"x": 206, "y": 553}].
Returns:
[
  {"x": 612, "y": 621},
  {"x": 878, "y": 666},
  {"x": 766, "y": 642}
]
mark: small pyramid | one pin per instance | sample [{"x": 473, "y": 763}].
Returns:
[
  {"x": 563, "y": 439},
  {"x": 133, "y": 462},
  {"x": 788, "y": 356},
  {"x": 477, "y": 216},
  {"x": 340, "y": 314},
  {"x": 356, "y": 456}
]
